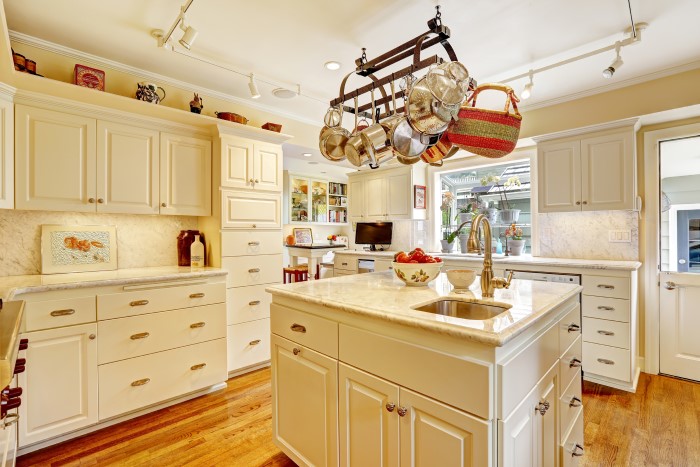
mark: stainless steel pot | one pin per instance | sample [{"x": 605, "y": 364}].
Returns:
[
  {"x": 355, "y": 149},
  {"x": 333, "y": 138},
  {"x": 375, "y": 141},
  {"x": 426, "y": 110},
  {"x": 405, "y": 140}
]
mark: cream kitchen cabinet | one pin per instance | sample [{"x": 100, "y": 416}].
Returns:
[
  {"x": 250, "y": 164},
  {"x": 185, "y": 175},
  {"x": 356, "y": 200},
  {"x": 588, "y": 172},
  {"x": 7, "y": 156},
  {"x": 385, "y": 195}
]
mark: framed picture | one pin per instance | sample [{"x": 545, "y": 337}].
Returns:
[
  {"x": 419, "y": 196},
  {"x": 78, "y": 248},
  {"x": 302, "y": 236}
]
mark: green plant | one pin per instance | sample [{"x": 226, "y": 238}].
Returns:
[{"x": 469, "y": 209}]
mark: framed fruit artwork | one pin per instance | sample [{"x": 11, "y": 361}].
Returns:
[
  {"x": 419, "y": 196},
  {"x": 89, "y": 77}
]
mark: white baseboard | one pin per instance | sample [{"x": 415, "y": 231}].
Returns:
[{"x": 248, "y": 369}]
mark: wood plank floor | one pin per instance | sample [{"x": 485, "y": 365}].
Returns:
[{"x": 657, "y": 426}]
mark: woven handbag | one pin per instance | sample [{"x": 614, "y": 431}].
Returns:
[{"x": 488, "y": 133}]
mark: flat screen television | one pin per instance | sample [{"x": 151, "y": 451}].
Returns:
[{"x": 373, "y": 234}]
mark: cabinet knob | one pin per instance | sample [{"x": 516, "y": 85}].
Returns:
[
  {"x": 577, "y": 451},
  {"x": 91, "y": 200},
  {"x": 162, "y": 205},
  {"x": 670, "y": 285},
  {"x": 254, "y": 226},
  {"x": 198, "y": 366},
  {"x": 390, "y": 407},
  {"x": 402, "y": 411},
  {"x": 578, "y": 203},
  {"x": 574, "y": 363},
  {"x": 296, "y": 351},
  {"x": 251, "y": 181},
  {"x": 140, "y": 335},
  {"x": 298, "y": 328},
  {"x": 100, "y": 200},
  {"x": 542, "y": 407},
  {"x": 92, "y": 337},
  {"x": 573, "y": 327},
  {"x": 585, "y": 202},
  {"x": 257, "y": 181},
  {"x": 575, "y": 402}
]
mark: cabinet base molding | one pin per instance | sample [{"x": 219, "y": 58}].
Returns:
[
  {"x": 119, "y": 419},
  {"x": 614, "y": 383},
  {"x": 248, "y": 369}
]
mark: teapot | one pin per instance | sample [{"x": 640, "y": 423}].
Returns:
[{"x": 148, "y": 92}]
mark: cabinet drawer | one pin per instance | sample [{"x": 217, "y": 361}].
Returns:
[
  {"x": 570, "y": 404},
  {"x": 569, "y": 328},
  {"x": 340, "y": 272},
  {"x": 140, "y": 335},
  {"x": 610, "y": 362},
  {"x": 614, "y": 309},
  {"x": 345, "y": 263},
  {"x": 252, "y": 270},
  {"x": 247, "y": 304},
  {"x": 250, "y": 210},
  {"x": 123, "y": 304},
  {"x": 381, "y": 265},
  {"x": 248, "y": 344},
  {"x": 570, "y": 363},
  {"x": 138, "y": 382},
  {"x": 311, "y": 331},
  {"x": 59, "y": 313},
  {"x": 571, "y": 449},
  {"x": 606, "y": 286},
  {"x": 602, "y": 331},
  {"x": 254, "y": 242},
  {"x": 420, "y": 368}
]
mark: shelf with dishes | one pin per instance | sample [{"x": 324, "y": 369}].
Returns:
[{"x": 316, "y": 201}]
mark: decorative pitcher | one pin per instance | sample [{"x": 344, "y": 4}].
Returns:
[{"x": 148, "y": 92}]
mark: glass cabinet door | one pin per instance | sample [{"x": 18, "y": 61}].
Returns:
[
  {"x": 319, "y": 201},
  {"x": 299, "y": 199}
]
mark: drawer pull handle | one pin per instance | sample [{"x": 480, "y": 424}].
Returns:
[
  {"x": 255, "y": 342},
  {"x": 542, "y": 407},
  {"x": 344, "y": 264},
  {"x": 606, "y": 333},
  {"x": 573, "y": 328},
  {"x": 296, "y": 351},
  {"x": 201, "y": 324},
  {"x": 139, "y": 303},
  {"x": 575, "y": 402},
  {"x": 402, "y": 411},
  {"x": 66, "y": 312},
  {"x": 574, "y": 363},
  {"x": 198, "y": 366},
  {"x": 298, "y": 328},
  {"x": 254, "y": 270},
  {"x": 606, "y": 286},
  {"x": 141, "y": 382},
  {"x": 390, "y": 406},
  {"x": 253, "y": 243},
  {"x": 606, "y": 361},
  {"x": 577, "y": 451},
  {"x": 254, "y": 302},
  {"x": 606, "y": 308},
  {"x": 141, "y": 335},
  {"x": 197, "y": 295},
  {"x": 670, "y": 285}
]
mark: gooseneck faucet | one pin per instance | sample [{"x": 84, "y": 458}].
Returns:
[{"x": 488, "y": 282}]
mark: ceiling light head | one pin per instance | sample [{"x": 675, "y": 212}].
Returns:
[
  {"x": 615, "y": 65},
  {"x": 332, "y": 65},
  {"x": 284, "y": 93},
  {"x": 188, "y": 37},
  {"x": 254, "y": 93},
  {"x": 527, "y": 89}
]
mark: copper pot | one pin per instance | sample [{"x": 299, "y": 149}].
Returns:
[{"x": 231, "y": 117}]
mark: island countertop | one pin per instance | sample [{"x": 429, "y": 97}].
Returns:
[{"x": 383, "y": 296}]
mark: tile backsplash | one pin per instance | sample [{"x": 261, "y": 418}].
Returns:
[
  {"x": 585, "y": 235},
  {"x": 142, "y": 240}
]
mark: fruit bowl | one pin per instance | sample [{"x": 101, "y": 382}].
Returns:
[
  {"x": 416, "y": 274},
  {"x": 461, "y": 278}
]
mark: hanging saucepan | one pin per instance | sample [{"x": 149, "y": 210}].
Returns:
[
  {"x": 375, "y": 142},
  {"x": 392, "y": 121},
  {"x": 332, "y": 140},
  {"x": 443, "y": 149},
  {"x": 405, "y": 140},
  {"x": 334, "y": 116},
  {"x": 355, "y": 149}
]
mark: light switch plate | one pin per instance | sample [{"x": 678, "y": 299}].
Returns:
[{"x": 619, "y": 236}]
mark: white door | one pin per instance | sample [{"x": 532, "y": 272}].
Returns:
[
  {"x": 375, "y": 198},
  {"x": 236, "y": 162},
  {"x": 399, "y": 194},
  {"x": 559, "y": 176},
  {"x": 356, "y": 200},
  {"x": 267, "y": 167},
  {"x": 185, "y": 175},
  {"x": 607, "y": 172},
  {"x": 679, "y": 281}
]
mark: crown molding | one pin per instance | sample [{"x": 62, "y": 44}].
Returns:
[
  {"x": 140, "y": 73},
  {"x": 632, "y": 123},
  {"x": 258, "y": 134},
  {"x": 7, "y": 92}
]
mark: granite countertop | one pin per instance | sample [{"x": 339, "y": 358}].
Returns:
[
  {"x": 541, "y": 261},
  {"x": 13, "y": 285},
  {"x": 382, "y": 296}
]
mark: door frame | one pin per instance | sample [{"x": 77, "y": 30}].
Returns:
[{"x": 652, "y": 259}]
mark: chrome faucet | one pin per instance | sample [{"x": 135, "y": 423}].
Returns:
[{"x": 488, "y": 282}]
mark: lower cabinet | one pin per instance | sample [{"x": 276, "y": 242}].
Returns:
[
  {"x": 60, "y": 383},
  {"x": 248, "y": 344}
]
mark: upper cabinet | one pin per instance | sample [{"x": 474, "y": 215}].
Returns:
[
  {"x": 385, "y": 195},
  {"x": 588, "y": 172},
  {"x": 67, "y": 162},
  {"x": 316, "y": 201},
  {"x": 250, "y": 164},
  {"x": 7, "y": 164}
]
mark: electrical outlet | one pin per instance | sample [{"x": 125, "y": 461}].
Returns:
[{"x": 619, "y": 236}]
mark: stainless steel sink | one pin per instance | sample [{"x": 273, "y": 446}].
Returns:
[{"x": 463, "y": 309}]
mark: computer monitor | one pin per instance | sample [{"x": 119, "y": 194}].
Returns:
[{"x": 373, "y": 234}]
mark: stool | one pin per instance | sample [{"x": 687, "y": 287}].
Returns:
[{"x": 299, "y": 273}]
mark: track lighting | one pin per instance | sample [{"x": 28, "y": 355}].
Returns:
[
  {"x": 615, "y": 65},
  {"x": 189, "y": 36},
  {"x": 527, "y": 89},
  {"x": 254, "y": 93}
]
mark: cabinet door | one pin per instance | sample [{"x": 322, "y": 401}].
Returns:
[
  {"x": 304, "y": 391},
  {"x": 356, "y": 200},
  {"x": 127, "y": 169},
  {"x": 236, "y": 162},
  {"x": 267, "y": 167},
  {"x": 247, "y": 209},
  {"x": 369, "y": 424},
  {"x": 185, "y": 175},
  {"x": 399, "y": 194},
  {"x": 433, "y": 433},
  {"x": 7, "y": 155},
  {"x": 299, "y": 189},
  {"x": 559, "y": 176},
  {"x": 607, "y": 172},
  {"x": 375, "y": 198},
  {"x": 60, "y": 383},
  {"x": 55, "y": 160}
]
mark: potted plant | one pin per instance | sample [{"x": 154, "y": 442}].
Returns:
[
  {"x": 448, "y": 237},
  {"x": 507, "y": 213},
  {"x": 516, "y": 244},
  {"x": 331, "y": 239}
]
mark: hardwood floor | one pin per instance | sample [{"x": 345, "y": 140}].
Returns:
[{"x": 658, "y": 425}]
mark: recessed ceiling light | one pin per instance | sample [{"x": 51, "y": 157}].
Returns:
[
  {"x": 283, "y": 93},
  {"x": 307, "y": 154},
  {"x": 313, "y": 163},
  {"x": 332, "y": 65}
]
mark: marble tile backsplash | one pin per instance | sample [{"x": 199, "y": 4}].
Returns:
[
  {"x": 584, "y": 235},
  {"x": 142, "y": 240}
]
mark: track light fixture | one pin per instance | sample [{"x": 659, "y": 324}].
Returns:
[
  {"x": 527, "y": 89},
  {"x": 615, "y": 65},
  {"x": 188, "y": 37},
  {"x": 190, "y": 34},
  {"x": 254, "y": 93}
]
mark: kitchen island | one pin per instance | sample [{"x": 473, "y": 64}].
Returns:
[{"x": 361, "y": 377}]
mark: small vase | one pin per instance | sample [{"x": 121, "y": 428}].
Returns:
[
  {"x": 465, "y": 217},
  {"x": 463, "y": 240},
  {"x": 516, "y": 247},
  {"x": 447, "y": 247},
  {"x": 331, "y": 242},
  {"x": 492, "y": 215}
]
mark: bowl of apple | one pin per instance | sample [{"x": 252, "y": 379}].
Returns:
[{"x": 416, "y": 268}]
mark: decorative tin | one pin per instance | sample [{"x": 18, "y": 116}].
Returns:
[{"x": 89, "y": 77}]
